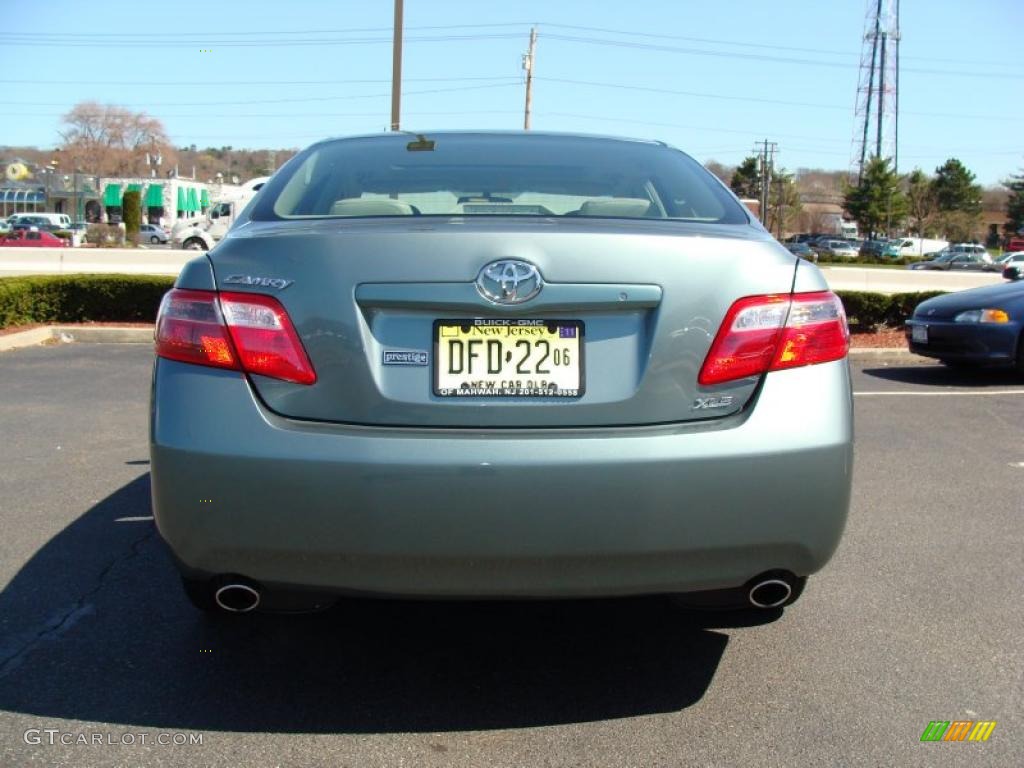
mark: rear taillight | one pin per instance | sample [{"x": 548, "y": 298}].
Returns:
[
  {"x": 770, "y": 333},
  {"x": 241, "y": 331},
  {"x": 190, "y": 328}
]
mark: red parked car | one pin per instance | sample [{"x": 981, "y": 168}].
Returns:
[{"x": 32, "y": 239}]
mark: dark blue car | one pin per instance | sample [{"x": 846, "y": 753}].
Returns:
[{"x": 981, "y": 326}]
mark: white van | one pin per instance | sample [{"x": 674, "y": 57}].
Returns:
[
  {"x": 59, "y": 220},
  {"x": 913, "y": 246}
]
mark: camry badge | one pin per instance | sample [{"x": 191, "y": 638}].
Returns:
[
  {"x": 509, "y": 281},
  {"x": 262, "y": 282}
]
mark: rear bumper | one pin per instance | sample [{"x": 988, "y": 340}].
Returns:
[
  {"x": 981, "y": 343},
  {"x": 539, "y": 513}
]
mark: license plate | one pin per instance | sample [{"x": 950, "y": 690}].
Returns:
[
  {"x": 508, "y": 358},
  {"x": 919, "y": 334}
]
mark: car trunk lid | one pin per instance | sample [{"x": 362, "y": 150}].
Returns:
[{"x": 634, "y": 306}]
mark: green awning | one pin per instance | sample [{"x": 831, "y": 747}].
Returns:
[
  {"x": 204, "y": 199},
  {"x": 112, "y": 196},
  {"x": 155, "y": 196},
  {"x": 134, "y": 188},
  {"x": 193, "y": 200},
  {"x": 181, "y": 199}
]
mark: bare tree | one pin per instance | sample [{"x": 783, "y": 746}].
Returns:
[
  {"x": 723, "y": 172},
  {"x": 784, "y": 205},
  {"x": 920, "y": 204},
  {"x": 815, "y": 220},
  {"x": 113, "y": 141}
]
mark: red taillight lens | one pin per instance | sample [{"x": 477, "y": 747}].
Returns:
[
  {"x": 190, "y": 328},
  {"x": 265, "y": 337},
  {"x": 770, "y": 333},
  {"x": 816, "y": 331},
  {"x": 241, "y": 331}
]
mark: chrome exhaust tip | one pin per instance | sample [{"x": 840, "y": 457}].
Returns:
[
  {"x": 770, "y": 593},
  {"x": 237, "y": 598}
]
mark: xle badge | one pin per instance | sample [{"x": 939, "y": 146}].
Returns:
[{"x": 703, "y": 403}]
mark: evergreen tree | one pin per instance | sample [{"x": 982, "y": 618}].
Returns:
[
  {"x": 746, "y": 179},
  {"x": 957, "y": 200},
  {"x": 132, "y": 207},
  {"x": 1015, "y": 205},
  {"x": 876, "y": 203}
]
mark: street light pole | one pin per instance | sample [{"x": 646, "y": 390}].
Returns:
[{"x": 49, "y": 171}]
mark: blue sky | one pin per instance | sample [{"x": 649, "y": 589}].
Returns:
[{"x": 284, "y": 73}]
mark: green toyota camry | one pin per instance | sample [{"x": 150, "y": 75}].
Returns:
[{"x": 493, "y": 365}]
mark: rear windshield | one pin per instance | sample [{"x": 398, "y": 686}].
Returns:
[{"x": 496, "y": 175}]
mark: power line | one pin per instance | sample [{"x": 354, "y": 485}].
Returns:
[
  {"x": 759, "y": 100},
  {"x": 706, "y": 40},
  {"x": 307, "y": 99},
  {"x": 295, "y": 115},
  {"x": 692, "y": 51},
  {"x": 697, "y": 94},
  {"x": 276, "y": 101},
  {"x": 508, "y": 81},
  {"x": 48, "y": 39},
  {"x": 682, "y": 127},
  {"x": 259, "y": 83},
  {"x": 759, "y": 57},
  {"x": 42, "y": 41},
  {"x": 765, "y": 46},
  {"x": 277, "y": 35},
  {"x": 717, "y": 129},
  {"x": 275, "y": 32}
]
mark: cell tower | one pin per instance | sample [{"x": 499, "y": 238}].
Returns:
[{"x": 878, "y": 100}]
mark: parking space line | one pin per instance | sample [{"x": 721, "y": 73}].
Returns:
[{"x": 957, "y": 393}]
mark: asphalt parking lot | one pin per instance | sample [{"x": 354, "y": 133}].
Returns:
[{"x": 918, "y": 617}]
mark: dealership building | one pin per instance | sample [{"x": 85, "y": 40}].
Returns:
[
  {"x": 86, "y": 197},
  {"x": 164, "y": 201}
]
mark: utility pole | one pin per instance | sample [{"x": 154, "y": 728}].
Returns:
[
  {"x": 528, "y": 66},
  {"x": 779, "y": 207},
  {"x": 396, "y": 68},
  {"x": 766, "y": 150}
]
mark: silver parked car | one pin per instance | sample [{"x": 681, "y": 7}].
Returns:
[
  {"x": 153, "y": 233},
  {"x": 835, "y": 249},
  {"x": 499, "y": 365}
]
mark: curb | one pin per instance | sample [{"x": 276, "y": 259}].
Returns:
[
  {"x": 882, "y": 352},
  {"x": 71, "y": 333},
  {"x": 25, "y": 338}
]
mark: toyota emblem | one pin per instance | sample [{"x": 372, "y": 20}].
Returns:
[{"x": 509, "y": 281}]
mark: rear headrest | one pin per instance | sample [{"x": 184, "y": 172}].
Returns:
[
  {"x": 616, "y": 206},
  {"x": 359, "y": 207}
]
